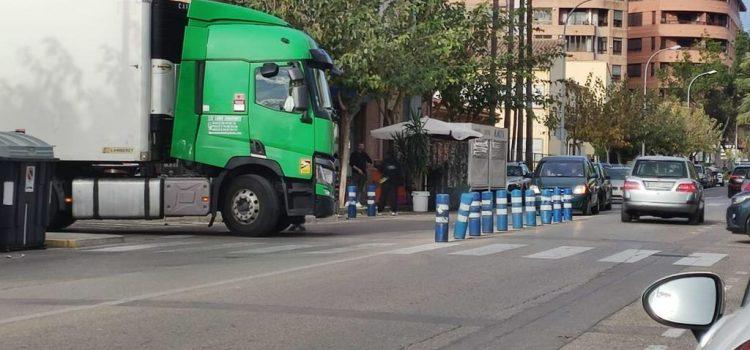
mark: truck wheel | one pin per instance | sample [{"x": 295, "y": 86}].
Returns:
[
  {"x": 250, "y": 206},
  {"x": 58, "y": 219}
]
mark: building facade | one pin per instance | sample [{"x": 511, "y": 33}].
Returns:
[{"x": 658, "y": 24}]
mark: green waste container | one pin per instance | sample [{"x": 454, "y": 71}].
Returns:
[{"x": 26, "y": 166}]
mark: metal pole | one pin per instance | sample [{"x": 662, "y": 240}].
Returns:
[
  {"x": 645, "y": 76},
  {"x": 693, "y": 80},
  {"x": 563, "y": 134}
]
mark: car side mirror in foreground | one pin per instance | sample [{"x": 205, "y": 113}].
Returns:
[{"x": 693, "y": 300}]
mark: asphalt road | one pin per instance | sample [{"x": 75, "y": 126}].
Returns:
[{"x": 367, "y": 284}]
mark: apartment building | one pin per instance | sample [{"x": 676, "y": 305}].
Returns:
[{"x": 658, "y": 24}]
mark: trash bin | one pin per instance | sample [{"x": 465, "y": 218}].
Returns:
[
  {"x": 420, "y": 199},
  {"x": 25, "y": 174}
]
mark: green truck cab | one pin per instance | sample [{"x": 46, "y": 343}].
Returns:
[{"x": 253, "y": 100}]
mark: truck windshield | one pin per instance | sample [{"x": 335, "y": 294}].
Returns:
[{"x": 321, "y": 93}]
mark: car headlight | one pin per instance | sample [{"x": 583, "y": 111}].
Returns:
[
  {"x": 535, "y": 188},
  {"x": 740, "y": 198},
  {"x": 324, "y": 175},
  {"x": 580, "y": 189}
]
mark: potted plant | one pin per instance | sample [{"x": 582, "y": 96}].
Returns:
[{"x": 412, "y": 148}]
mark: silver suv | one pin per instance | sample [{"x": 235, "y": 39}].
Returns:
[{"x": 666, "y": 187}]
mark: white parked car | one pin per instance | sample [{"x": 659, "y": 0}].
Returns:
[{"x": 695, "y": 301}]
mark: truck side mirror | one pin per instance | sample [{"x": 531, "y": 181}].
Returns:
[
  {"x": 269, "y": 70},
  {"x": 301, "y": 98}
]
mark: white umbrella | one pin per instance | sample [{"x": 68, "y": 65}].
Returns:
[{"x": 433, "y": 127}]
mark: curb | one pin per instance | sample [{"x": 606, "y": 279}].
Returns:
[{"x": 79, "y": 240}]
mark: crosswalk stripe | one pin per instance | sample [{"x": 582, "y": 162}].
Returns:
[
  {"x": 273, "y": 249},
  {"x": 208, "y": 247},
  {"x": 700, "y": 259},
  {"x": 130, "y": 248},
  {"x": 629, "y": 256},
  {"x": 489, "y": 249},
  {"x": 559, "y": 252},
  {"x": 352, "y": 248},
  {"x": 421, "y": 248}
]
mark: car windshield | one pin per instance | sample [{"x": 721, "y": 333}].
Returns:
[
  {"x": 561, "y": 169},
  {"x": 514, "y": 170},
  {"x": 618, "y": 173},
  {"x": 660, "y": 168},
  {"x": 740, "y": 171}
]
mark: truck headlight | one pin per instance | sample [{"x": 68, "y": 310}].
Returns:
[
  {"x": 580, "y": 189},
  {"x": 324, "y": 175}
]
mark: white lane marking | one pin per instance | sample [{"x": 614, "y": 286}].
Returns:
[
  {"x": 208, "y": 247},
  {"x": 273, "y": 249},
  {"x": 673, "y": 333},
  {"x": 700, "y": 259},
  {"x": 741, "y": 272},
  {"x": 656, "y": 347},
  {"x": 733, "y": 280},
  {"x": 352, "y": 248},
  {"x": 421, "y": 248},
  {"x": 177, "y": 236},
  {"x": 716, "y": 204},
  {"x": 489, "y": 249},
  {"x": 629, "y": 256},
  {"x": 728, "y": 287},
  {"x": 559, "y": 252},
  {"x": 129, "y": 248}
]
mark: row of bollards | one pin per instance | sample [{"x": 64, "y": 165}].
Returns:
[
  {"x": 351, "y": 202},
  {"x": 477, "y": 215}
]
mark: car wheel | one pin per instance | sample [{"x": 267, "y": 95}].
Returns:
[
  {"x": 609, "y": 204},
  {"x": 58, "y": 218},
  {"x": 250, "y": 206},
  {"x": 597, "y": 208},
  {"x": 702, "y": 216},
  {"x": 625, "y": 217},
  {"x": 695, "y": 219}
]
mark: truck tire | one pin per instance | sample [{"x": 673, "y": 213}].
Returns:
[
  {"x": 58, "y": 218},
  {"x": 250, "y": 206}
]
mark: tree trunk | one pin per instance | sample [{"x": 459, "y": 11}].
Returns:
[
  {"x": 529, "y": 92},
  {"x": 345, "y": 132},
  {"x": 493, "y": 63},
  {"x": 508, "y": 71},
  {"x": 520, "y": 72}
]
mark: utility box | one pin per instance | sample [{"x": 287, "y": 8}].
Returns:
[
  {"x": 488, "y": 158},
  {"x": 25, "y": 173}
]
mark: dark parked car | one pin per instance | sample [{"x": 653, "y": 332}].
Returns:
[
  {"x": 605, "y": 185},
  {"x": 576, "y": 172},
  {"x": 738, "y": 214},
  {"x": 734, "y": 185}
]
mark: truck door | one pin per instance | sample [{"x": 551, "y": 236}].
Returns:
[{"x": 287, "y": 135}]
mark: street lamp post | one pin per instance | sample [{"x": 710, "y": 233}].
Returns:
[
  {"x": 693, "y": 80},
  {"x": 563, "y": 136},
  {"x": 645, "y": 76}
]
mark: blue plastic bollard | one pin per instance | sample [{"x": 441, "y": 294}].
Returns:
[
  {"x": 487, "y": 220},
  {"x": 516, "y": 209},
  {"x": 501, "y": 210},
  {"x": 556, "y": 206},
  {"x": 352, "y": 207},
  {"x": 568, "y": 204},
  {"x": 442, "y": 218},
  {"x": 545, "y": 208},
  {"x": 462, "y": 223},
  {"x": 530, "y": 209},
  {"x": 475, "y": 224},
  {"x": 538, "y": 204},
  {"x": 372, "y": 209}
]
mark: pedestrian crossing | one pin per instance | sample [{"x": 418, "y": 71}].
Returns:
[{"x": 537, "y": 251}]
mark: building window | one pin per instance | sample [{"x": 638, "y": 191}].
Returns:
[
  {"x": 543, "y": 15},
  {"x": 653, "y": 43},
  {"x": 601, "y": 44},
  {"x": 635, "y": 45},
  {"x": 616, "y": 71},
  {"x": 580, "y": 43},
  {"x": 635, "y": 19},
  {"x": 653, "y": 17},
  {"x": 634, "y": 70},
  {"x": 617, "y": 46},
  {"x": 617, "y": 18},
  {"x": 602, "y": 18},
  {"x": 579, "y": 17}
]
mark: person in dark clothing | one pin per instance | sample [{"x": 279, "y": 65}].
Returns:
[
  {"x": 358, "y": 161},
  {"x": 392, "y": 178}
]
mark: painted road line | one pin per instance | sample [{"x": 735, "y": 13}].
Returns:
[
  {"x": 656, "y": 347},
  {"x": 700, "y": 259},
  {"x": 559, "y": 252},
  {"x": 673, "y": 333},
  {"x": 352, "y": 248},
  {"x": 208, "y": 247},
  {"x": 741, "y": 272},
  {"x": 177, "y": 236},
  {"x": 489, "y": 249},
  {"x": 629, "y": 256},
  {"x": 421, "y": 248},
  {"x": 274, "y": 249},
  {"x": 130, "y": 248}
]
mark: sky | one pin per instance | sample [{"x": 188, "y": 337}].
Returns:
[{"x": 745, "y": 18}]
